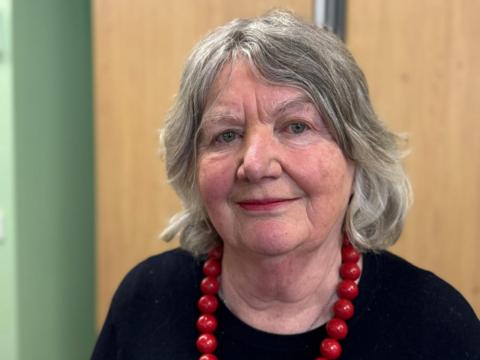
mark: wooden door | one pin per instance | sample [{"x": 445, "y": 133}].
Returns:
[
  {"x": 139, "y": 50},
  {"x": 423, "y": 68},
  {"x": 422, "y": 62}
]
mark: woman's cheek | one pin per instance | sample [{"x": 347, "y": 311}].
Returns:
[{"x": 215, "y": 180}]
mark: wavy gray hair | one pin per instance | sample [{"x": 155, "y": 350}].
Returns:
[{"x": 284, "y": 49}]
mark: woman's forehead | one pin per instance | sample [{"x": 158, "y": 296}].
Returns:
[{"x": 239, "y": 80}]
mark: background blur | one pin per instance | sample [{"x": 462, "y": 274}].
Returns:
[{"x": 84, "y": 87}]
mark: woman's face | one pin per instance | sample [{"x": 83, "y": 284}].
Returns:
[{"x": 272, "y": 178}]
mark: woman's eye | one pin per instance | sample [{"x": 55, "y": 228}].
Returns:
[
  {"x": 227, "y": 136},
  {"x": 297, "y": 127}
]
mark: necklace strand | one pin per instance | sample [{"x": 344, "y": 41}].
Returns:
[{"x": 337, "y": 329}]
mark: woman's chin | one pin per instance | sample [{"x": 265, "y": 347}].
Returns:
[
  {"x": 271, "y": 240},
  {"x": 270, "y": 247}
]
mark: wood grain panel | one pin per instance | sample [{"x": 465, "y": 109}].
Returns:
[
  {"x": 422, "y": 61},
  {"x": 139, "y": 50}
]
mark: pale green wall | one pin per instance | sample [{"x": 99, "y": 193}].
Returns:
[
  {"x": 49, "y": 161},
  {"x": 8, "y": 274}
]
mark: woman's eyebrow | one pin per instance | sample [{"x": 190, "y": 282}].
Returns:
[
  {"x": 299, "y": 101},
  {"x": 215, "y": 117}
]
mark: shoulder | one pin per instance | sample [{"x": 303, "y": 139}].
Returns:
[
  {"x": 172, "y": 272},
  {"x": 420, "y": 306},
  {"x": 151, "y": 311},
  {"x": 173, "y": 261},
  {"x": 402, "y": 277}
]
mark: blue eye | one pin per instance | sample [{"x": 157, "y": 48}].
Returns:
[
  {"x": 227, "y": 136},
  {"x": 297, "y": 127}
]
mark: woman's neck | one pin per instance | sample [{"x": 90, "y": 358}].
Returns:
[{"x": 285, "y": 294}]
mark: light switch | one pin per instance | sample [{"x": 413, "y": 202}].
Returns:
[{"x": 3, "y": 234}]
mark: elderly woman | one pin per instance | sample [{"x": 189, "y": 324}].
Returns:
[{"x": 292, "y": 190}]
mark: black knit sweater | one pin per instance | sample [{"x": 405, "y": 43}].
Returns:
[{"x": 402, "y": 312}]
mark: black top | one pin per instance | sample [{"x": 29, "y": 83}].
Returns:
[{"x": 402, "y": 312}]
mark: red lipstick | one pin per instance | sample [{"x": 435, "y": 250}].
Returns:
[{"x": 263, "y": 204}]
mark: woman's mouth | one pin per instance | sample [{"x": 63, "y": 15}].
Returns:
[{"x": 263, "y": 204}]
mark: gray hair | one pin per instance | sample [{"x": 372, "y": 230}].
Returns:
[{"x": 286, "y": 50}]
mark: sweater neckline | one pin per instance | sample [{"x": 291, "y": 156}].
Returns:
[{"x": 232, "y": 329}]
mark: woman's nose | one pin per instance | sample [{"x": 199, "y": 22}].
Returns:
[{"x": 259, "y": 158}]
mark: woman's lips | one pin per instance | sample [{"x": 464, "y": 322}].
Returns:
[{"x": 263, "y": 204}]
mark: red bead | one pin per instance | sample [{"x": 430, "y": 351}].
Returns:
[
  {"x": 212, "y": 267},
  {"x": 320, "y": 358},
  {"x": 347, "y": 289},
  {"x": 350, "y": 254},
  {"x": 208, "y": 304},
  {"x": 343, "y": 309},
  {"x": 208, "y": 357},
  {"x": 207, "y": 323},
  {"x": 216, "y": 253},
  {"x": 330, "y": 349},
  {"x": 206, "y": 343},
  {"x": 337, "y": 329},
  {"x": 350, "y": 271},
  {"x": 209, "y": 285}
]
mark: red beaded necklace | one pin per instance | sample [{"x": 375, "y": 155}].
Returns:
[{"x": 336, "y": 327}]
